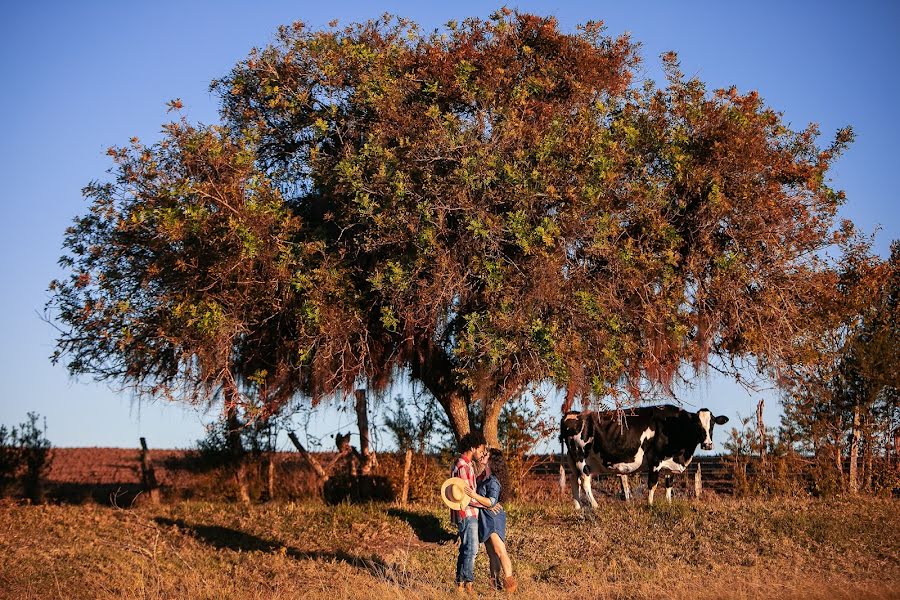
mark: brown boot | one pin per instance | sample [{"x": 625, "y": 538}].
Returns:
[
  {"x": 468, "y": 587},
  {"x": 510, "y": 584}
]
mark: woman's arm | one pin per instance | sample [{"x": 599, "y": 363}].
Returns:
[{"x": 482, "y": 500}]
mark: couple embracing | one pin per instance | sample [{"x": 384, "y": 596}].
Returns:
[{"x": 473, "y": 493}]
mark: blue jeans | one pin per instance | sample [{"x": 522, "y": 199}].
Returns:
[{"x": 468, "y": 548}]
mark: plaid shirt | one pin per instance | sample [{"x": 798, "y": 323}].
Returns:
[{"x": 464, "y": 470}]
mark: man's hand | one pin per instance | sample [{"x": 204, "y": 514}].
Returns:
[{"x": 496, "y": 508}]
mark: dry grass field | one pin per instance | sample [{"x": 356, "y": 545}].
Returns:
[{"x": 712, "y": 549}]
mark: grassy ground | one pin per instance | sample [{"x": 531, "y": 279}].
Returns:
[{"x": 716, "y": 549}]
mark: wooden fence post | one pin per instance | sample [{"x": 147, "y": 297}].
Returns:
[
  {"x": 698, "y": 483},
  {"x": 855, "y": 436},
  {"x": 270, "y": 476},
  {"x": 310, "y": 459},
  {"x": 562, "y": 481},
  {"x": 404, "y": 494},
  {"x": 151, "y": 486},
  {"x": 761, "y": 431}
]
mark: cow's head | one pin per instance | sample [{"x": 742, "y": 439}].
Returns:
[
  {"x": 574, "y": 434},
  {"x": 706, "y": 421}
]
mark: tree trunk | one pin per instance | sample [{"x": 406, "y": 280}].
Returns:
[
  {"x": 457, "y": 411},
  {"x": 868, "y": 461},
  {"x": 570, "y": 398},
  {"x": 896, "y": 446},
  {"x": 839, "y": 462},
  {"x": 854, "y": 451},
  {"x": 236, "y": 448},
  {"x": 491, "y": 422},
  {"x": 362, "y": 417},
  {"x": 434, "y": 368},
  {"x": 492, "y": 412}
]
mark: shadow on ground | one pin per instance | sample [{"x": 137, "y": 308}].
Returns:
[
  {"x": 427, "y": 527},
  {"x": 226, "y": 538},
  {"x": 111, "y": 494}
]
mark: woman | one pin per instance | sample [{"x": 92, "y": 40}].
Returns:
[{"x": 492, "y": 523}]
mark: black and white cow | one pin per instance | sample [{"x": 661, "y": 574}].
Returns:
[{"x": 657, "y": 438}]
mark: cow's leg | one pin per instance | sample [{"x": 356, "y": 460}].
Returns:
[
  {"x": 586, "y": 489},
  {"x": 575, "y": 482},
  {"x": 626, "y": 488},
  {"x": 576, "y": 491},
  {"x": 668, "y": 481},
  {"x": 652, "y": 481}
]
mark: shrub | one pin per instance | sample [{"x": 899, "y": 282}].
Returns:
[
  {"x": 783, "y": 471},
  {"x": 521, "y": 428},
  {"x": 9, "y": 458},
  {"x": 25, "y": 456}
]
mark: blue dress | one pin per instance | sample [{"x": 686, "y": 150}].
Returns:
[{"x": 488, "y": 522}]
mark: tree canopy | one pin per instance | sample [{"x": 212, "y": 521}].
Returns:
[{"x": 483, "y": 208}]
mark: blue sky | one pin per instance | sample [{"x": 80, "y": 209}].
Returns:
[{"x": 79, "y": 77}]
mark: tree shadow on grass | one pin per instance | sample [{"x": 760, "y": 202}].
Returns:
[
  {"x": 115, "y": 494},
  {"x": 427, "y": 527},
  {"x": 226, "y": 538}
]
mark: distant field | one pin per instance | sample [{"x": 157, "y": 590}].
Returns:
[{"x": 713, "y": 549}]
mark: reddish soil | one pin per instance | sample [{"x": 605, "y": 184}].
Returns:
[
  {"x": 101, "y": 474},
  {"x": 105, "y": 466}
]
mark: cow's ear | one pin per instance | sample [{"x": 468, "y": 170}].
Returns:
[{"x": 721, "y": 420}]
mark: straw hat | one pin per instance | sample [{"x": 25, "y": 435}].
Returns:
[{"x": 453, "y": 493}]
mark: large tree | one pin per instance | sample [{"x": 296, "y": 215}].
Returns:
[{"x": 484, "y": 208}]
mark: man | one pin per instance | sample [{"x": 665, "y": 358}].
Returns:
[{"x": 472, "y": 449}]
